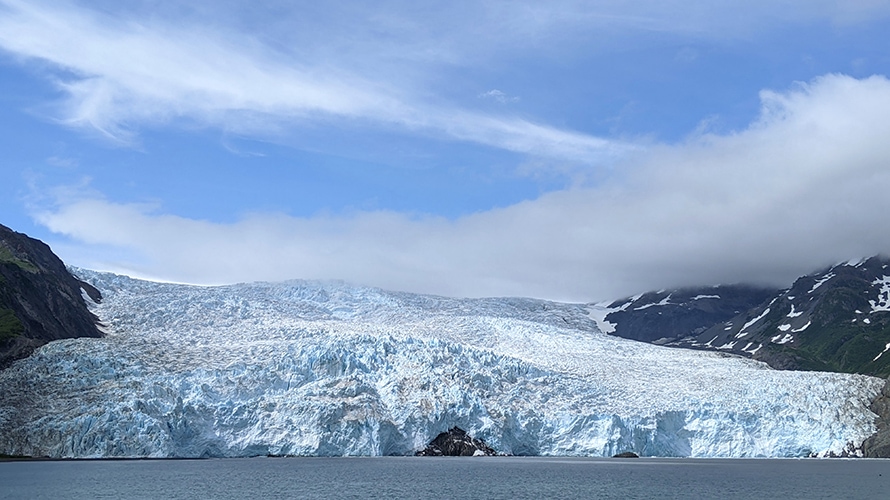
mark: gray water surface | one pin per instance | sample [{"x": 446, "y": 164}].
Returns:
[{"x": 481, "y": 477}]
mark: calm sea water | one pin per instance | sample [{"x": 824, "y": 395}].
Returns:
[{"x": 409, "y": 477}]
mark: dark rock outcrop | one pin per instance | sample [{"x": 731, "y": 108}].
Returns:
[
  {"x": 456, "y": 443},
  {"x": 40, "y": 301},
  {"x": 626, "y": 454},
  {"x": 878, "y": 445}
]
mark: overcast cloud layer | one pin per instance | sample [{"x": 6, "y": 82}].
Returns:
[{"x": 802, "y": 186}]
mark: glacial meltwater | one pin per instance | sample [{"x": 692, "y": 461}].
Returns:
[{"x": 447, "y": 477}]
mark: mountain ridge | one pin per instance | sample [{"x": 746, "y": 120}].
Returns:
[{"x": 836, "y": 319}]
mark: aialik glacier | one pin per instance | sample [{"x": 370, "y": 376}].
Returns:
[{"x": 330, "y": 369}]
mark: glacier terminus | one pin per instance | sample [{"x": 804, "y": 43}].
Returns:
[{"x": 330, "y": 369}]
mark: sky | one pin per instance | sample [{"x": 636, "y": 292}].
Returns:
[{"x": 567, "y": 150}]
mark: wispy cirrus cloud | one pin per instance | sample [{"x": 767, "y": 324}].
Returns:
[
  {"x": 498, "y": 96},
  {"x": 123, "y": 67},
  {"x": 121, "y": 75}
]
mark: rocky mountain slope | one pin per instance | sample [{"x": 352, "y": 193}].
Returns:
[
  {"x": 837, "y": 319},
  {"x": 40, "y": 301},
  {"x": 665, "y": 316}
]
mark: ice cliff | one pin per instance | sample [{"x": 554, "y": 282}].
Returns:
[{"x": 308, "y": 368}]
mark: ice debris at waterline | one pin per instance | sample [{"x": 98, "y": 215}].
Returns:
[{"x": 306, "y": 368}]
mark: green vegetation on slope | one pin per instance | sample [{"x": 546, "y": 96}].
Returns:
[
  {"x": 851, "y": 349},
  {"x": 10, "y": 326},
  {"x": 6, "y": 256},
  {"x": 844, "y": 340}
]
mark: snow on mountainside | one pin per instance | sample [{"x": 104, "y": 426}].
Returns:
[
  {"x": 667, "y": 315},
  {"x": 837, "y": 319},
  {"x": 306, "y": 368}
]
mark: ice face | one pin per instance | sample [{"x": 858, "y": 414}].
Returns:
[{"x": 305, "y": 368}]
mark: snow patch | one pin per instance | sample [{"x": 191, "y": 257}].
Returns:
[
  {"x": 784, "y": 328},
  {"x": 883, "y": 302},
  {"x": 663, "y": 302},
  {"x": 794, "y": 314},
  {"x": 821, "y": 281},
  {"x": 598, "y": 313},
  {"x": 804, "y": 327},
  {"x": 856, "y": 262},
  {"x": 886, "y": 348},
  {"x": 780, "y": 339},
  {"x": 700, "y": 297},
  {"x": 755, "y": 320},
  {"x": 752, "y": 351},
  {"x": 86, "y": 297}
]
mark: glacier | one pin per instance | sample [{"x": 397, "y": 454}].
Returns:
[{"x": 330, "y": 369}]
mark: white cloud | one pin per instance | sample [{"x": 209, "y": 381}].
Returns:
[
  {"x": 232, "y": 65},
  {"x": 61, "y": 162},
  {"x": 803, "y": 186},
  {"x": 498, "y": 96},
  {"x": 127, "y": 75}
]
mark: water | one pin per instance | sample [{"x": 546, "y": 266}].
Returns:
[{"x": 409, "y": 477}]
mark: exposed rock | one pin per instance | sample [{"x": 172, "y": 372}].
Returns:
[
  {"x": 626, "y": 454},
  {"x": 878, "y": 445},
  {"x": 40, "y": 301},
  {"x": 456, "y": 443}
]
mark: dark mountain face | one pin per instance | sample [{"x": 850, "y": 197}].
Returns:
[
  {"x": 837, "y": 319},
  {"x": 40, "y": 300},
  {"x": 667, "y": 316}
]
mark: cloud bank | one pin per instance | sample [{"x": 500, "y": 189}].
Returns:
[{"x": 803, "y": 186}]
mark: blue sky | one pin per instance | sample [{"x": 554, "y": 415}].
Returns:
[{"x": 568, "y": 150}]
